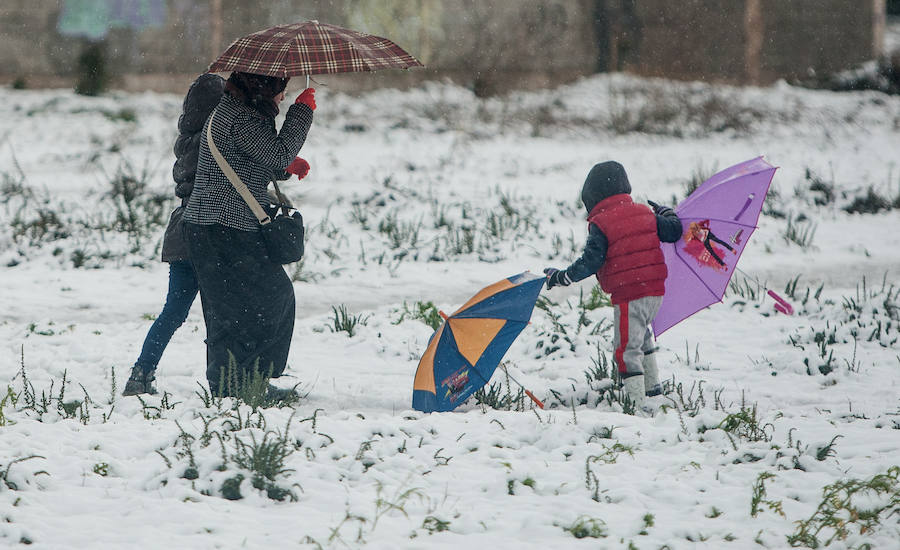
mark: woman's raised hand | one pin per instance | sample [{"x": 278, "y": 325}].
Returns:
[
  {"x": 299, "y": 167},
  {"x": 308, "y": 98}
]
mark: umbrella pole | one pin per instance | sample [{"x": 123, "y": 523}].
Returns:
[
  {"x": 527, "y": 392},
  {"x": 781, "y": 304}
]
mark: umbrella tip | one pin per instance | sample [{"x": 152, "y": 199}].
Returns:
[
  {"x": 442, "y": 314},
  {"x": 781, "y": 304},
  {"x": 537, "y": 401}
]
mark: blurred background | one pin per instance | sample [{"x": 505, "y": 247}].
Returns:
[{"x": 489, "y": 47}]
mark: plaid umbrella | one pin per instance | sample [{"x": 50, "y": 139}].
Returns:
[{"x": 310, "y": 48}]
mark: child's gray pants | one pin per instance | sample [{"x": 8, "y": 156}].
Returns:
[{"x": 632, "y": 337}]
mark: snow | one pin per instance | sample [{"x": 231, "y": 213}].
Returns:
[{"x": 429, "y": 165}]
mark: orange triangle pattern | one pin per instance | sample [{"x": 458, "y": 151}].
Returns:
[
  {"x": 425, "y": 372},
  {"x": 473, "y": 336},
  {"x": 486, "y": 293}
]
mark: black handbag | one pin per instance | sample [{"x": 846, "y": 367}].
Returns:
[
  {"x": 283, "y": 234},
  {"x": 284, "y": 238}
]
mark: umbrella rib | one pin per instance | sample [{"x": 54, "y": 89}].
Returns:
[
  {"x": 733, "y": 178},
  {"x": 486, "y": 380},
  {"x": 731, "y": 222},
  {"x": 746, "y": 175},
  {"x": 686, "y": 264}
]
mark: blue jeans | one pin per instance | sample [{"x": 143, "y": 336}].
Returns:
[{"x": 182, "y": 291}]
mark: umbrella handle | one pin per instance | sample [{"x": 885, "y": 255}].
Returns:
[
  {"x": 535, "y": 399},
  {"x": 781, "y": 305}
]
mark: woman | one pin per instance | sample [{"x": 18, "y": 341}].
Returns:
[
  {"x": 203, "y": 95},
  {"x": 248, "y": 300}
]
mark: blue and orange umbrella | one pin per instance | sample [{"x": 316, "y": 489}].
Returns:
[{"x": 464, "y": 351}]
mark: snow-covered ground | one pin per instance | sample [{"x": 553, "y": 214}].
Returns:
[{"x": 427, "y": 196}]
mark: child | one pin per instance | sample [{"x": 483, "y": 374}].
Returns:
[{"x": 623, "y": 250}]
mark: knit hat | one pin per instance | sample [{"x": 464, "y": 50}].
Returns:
[{"x": 603, "y": 181}]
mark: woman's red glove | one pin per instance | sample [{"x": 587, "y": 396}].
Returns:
[
  {"x": 308, "y": 98},
  {"x": 299, "y": 167}
]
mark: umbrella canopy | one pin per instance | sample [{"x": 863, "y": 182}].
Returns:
[
  {"x": 311, "y": 48},
  {"x": 718, "y": 219},
  {"x": 465, "y": 350}
]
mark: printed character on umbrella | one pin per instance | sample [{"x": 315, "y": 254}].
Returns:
[
  {"x": 456, "y": 383},
  {"x": 697, "y": 243},
  {"x": 623, "y": 251}
]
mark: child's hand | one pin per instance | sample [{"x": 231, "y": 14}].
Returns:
[
  {"x": 556, "y": 277},
  {"x": 659, "y": 209}
]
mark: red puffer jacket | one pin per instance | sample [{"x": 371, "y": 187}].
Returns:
[{"x": 634, "y": 265}]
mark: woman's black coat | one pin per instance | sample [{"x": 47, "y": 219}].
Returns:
[{"x": 202, "y": 97}]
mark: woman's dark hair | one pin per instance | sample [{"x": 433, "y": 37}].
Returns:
[{"x": 256, "y": 90}]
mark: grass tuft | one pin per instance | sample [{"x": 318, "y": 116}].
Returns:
[
  {"x": 848, "y": 506},
  {"x": 344, "y": 321}
]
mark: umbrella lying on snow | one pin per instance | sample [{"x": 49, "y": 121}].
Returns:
[
  {"x": 310, "y": 48},
  {"x": 465, "y": 350},
  {"x": 718, "y": 219}
]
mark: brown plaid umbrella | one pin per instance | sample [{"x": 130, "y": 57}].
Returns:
[{"x": 310, "y": 48}]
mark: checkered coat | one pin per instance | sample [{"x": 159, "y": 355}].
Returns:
[{"x": 250, "y": 144}]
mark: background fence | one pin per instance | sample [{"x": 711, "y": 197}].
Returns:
[{"x": 488, "y": 46}]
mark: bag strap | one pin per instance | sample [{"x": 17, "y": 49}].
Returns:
[
  {"x": 235, "y": 180},
  {"x": 281, "y": 198}
]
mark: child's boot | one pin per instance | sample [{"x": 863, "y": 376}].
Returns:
[
  {"x": 634, "y": 390},
  {"x": 140, "y": 382},
  {"x": 282, "y": 395},
  {"x": 652, "y": 386}
]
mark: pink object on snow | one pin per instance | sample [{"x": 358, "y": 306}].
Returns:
[{"x": 781, "y": 304}]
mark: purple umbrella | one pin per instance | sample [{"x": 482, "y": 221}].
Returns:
[{"x": 718, "y": 219}]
